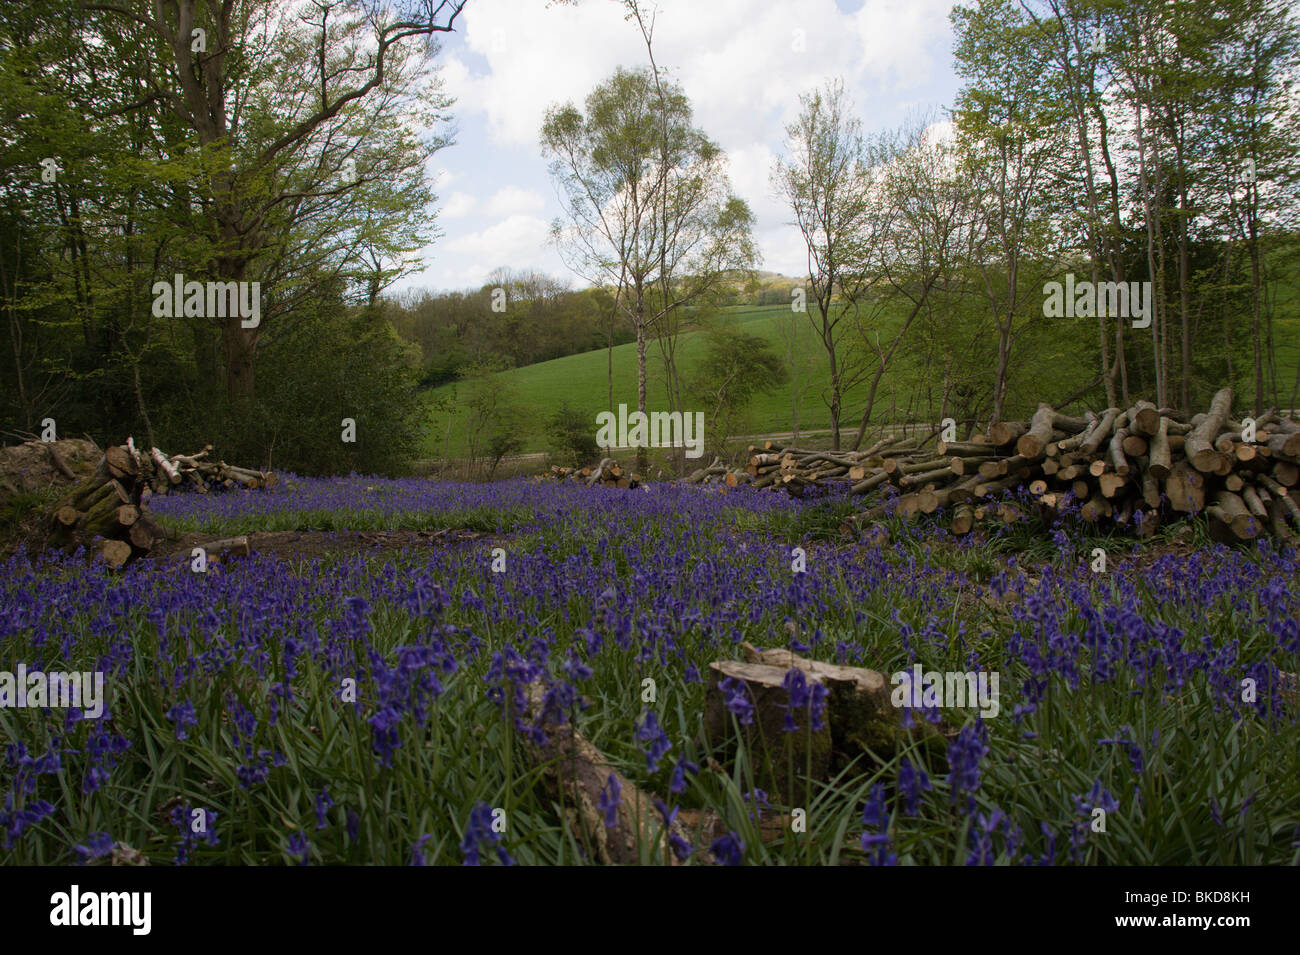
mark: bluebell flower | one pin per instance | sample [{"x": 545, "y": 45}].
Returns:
[
  {"x": 912, "y": 782},
  {"x": 678, "y": 782},
  {"x": 737, "y": 701},
  {"x": 479, "y": 835},
  {"x": 874, "y": 813},
  {"x": 609, "y": 799},
  {"x": 964, "y": 755},
  {"x": 1098, "y": 798},
  {"x": 97, "y": 844},
  {"x": 298, "y": 846},
  {"x": 758, "y": 799},
  {"x": 880, "y": 843},
  {"x": 323, "y": 804},
  {"x": 680, "y": 847},
  {"x": 803, "y": 694},
  {"x": 650, "y": 732},
  {"x": 728, "y": 849},
  {"x": 417, "y": 850}
]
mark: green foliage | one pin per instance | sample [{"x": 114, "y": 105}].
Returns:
[
  {"x": 496, "y": 422},
  {"x": 736, "y": 366},
  {"x": 322, "y": 371},
  {"x": 140, "y": 189},
  {"x": 573, "y": 436}
]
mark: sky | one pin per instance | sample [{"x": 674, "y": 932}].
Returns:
[{"x": 742, "y": 63}]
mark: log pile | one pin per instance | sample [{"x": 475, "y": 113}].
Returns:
[
  {"x": 193, "y": 471},
  {"x": 107, "y": 513},
  {"x": 1136, "y": 466},
  {"x": 608, "y": 473}
]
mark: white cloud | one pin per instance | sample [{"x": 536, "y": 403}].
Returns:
[
  {"x": 515, "y": 241},
  {"x": 743, "y": 64},
  {"x": 739, "y": 60},
  {"x": 511, "y": 200},
  {"x": 458, "y": 204}
]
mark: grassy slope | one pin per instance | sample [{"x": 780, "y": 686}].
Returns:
[{"x": 581, "y": 380}]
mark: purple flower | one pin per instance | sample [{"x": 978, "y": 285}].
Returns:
[
  {"x": 650, "y": 732},
  {"x": 609, "y": 799},
  {"x": 1049, "y": 856},
  {"x": 323, "y": 804},
  {"x": 1098, "y": 798},
  {"x": 964, "y": 756},
  {"x": 383, "y": 728},
  {"x": 803, "y": 695},
  {"x": 681, "y": 848},
  {"x": 911, "y": 783},
  {"x": 183, "y": 715},
  {"x": 728, "y": 849},
  {"x": 195, "y": 825},
  {"x": 737, "y": 701},
  {"x": 874, "y": 813},
  {"x": 480, "y": 835},
  {"x": 97, "y": 844},
  {"x": 880, "y": 843},
  {"x": 1134, "y": 751},
  {"x": 759, "y": 800},
  {"x": 680, "y": 769},
  {"x": 299, "y": 847},
  {"x": 417, "y": 850}
]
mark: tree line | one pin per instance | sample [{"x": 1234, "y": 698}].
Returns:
[
  {"x": 1143, "y": 142},
  {"x": 230, "y": 141}
]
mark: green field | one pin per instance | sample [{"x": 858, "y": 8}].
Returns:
[
  {"x": 582, "y": 381},
  {"x": 1058, "y": 365}
]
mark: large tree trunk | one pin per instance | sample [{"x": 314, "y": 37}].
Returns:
[{"x": 241, "y": 347}]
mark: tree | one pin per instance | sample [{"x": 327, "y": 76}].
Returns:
[
  {"x": 276, "y": 111},
  {"x": 924, "y": 228},
  {"x": 495, "y": 421},
  {"x": 1009, "y": 130},
  {"x": 649, "y": 202},
  {"x": 736, "y": 367},
  {"x": 828, "y": 181}
]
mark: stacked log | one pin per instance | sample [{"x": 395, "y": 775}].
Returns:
[
  {"x": 196, "y": 472},
  {"x": 1136, "y": 466},
  {"x": 107, "y": 512},
  {"x": 608, "y": 473}
]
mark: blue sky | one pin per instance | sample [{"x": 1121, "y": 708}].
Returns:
[{"x": 743, "y": 63}]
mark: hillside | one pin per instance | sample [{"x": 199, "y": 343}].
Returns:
[{"x": 1059, "y": 366}]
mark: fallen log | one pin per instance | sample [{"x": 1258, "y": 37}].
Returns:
[{"x": 577, "y": 774}]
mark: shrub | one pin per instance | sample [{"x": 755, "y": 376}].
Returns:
[{"x": 573, "y": 436}]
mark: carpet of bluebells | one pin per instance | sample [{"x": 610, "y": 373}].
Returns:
[{"x": 361, "y": 708}]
